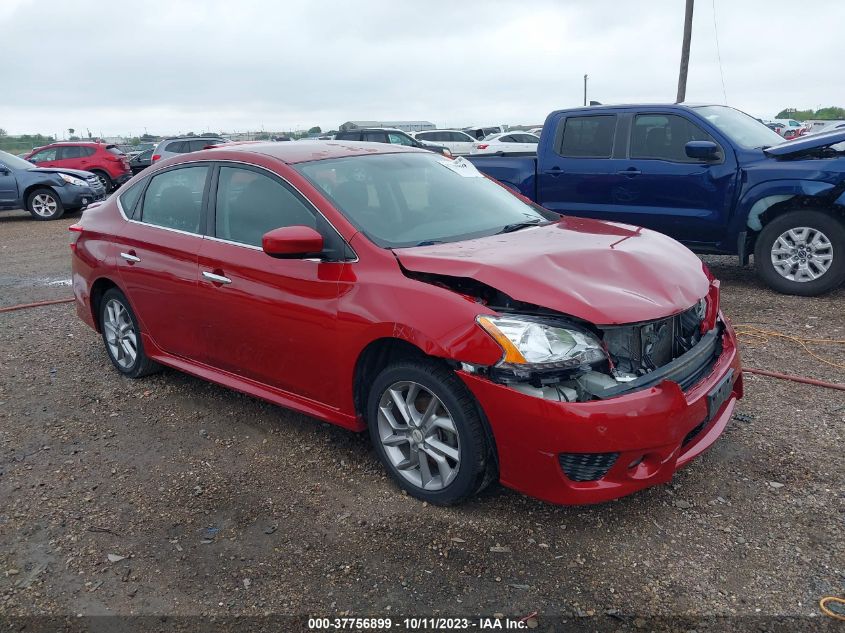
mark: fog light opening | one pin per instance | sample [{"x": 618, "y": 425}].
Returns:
[{"x": 644, "y": 466}]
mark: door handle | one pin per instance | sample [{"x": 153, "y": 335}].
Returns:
[
  {"x": 554, "y": 172},
  {"x": 218, "y": 279},
  {"x": 130, "y": 257},
  {"x": 630, "y": 172}
]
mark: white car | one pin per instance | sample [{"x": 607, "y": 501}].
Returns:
[
  {"x": 507, "y": 143},
  {"x": 459, "y": 143},
  {"x": 535, "y": 131}
]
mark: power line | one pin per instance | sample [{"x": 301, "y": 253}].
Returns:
[{"x": 719, "y": 54}]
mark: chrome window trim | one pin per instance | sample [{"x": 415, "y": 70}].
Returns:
[{"x": 218, "y": 239}]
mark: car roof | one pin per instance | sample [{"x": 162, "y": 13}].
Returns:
[
  {"x": 309, "y": 150},
  {"x": 75, "y": 143}
]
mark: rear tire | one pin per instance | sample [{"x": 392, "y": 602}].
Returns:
[
  {"x": 45, "y": 204},
  {"x": 122, "y": 336},
  {"x": 802, "y": 253},
  {"x": 427, "y": 431},
  {"x": 106, "y": 181}
]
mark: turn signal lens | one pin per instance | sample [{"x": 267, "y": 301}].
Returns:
[{"x": 512, "y": 354}]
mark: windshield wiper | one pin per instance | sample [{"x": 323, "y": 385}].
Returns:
[{"x": 516, "y": 226}]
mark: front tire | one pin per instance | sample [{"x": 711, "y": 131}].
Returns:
[
  {"x": 427, "y": 431},
  {"x": 122, "y": 336},
  {"x": 802, "y": 253},
  {"x": 45, "y": 204}
]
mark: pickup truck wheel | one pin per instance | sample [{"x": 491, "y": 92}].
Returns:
[
  {"x": 44, "y": 204},
  {"x": 427, "y": 431},
  {"x": 802, "y": 253}
]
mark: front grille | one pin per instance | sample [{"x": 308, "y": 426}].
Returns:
[{"x": 586, "y": 466}]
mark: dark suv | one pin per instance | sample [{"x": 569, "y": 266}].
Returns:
[
  {"x": 388, "y": 135},
  {"x": 107, "y": 162}
]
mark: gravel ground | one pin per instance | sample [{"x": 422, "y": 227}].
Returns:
[{"x": 170, "y": 495}]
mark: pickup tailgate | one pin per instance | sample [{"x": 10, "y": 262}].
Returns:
[{"x": 517, "y": 172}]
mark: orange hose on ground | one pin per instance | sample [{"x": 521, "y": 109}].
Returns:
[
  {"x": 37, "y": 304},
  {"x": 806, "y": 381}
]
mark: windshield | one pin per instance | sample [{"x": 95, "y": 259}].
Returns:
[
  {"x": 744, "y": 130},
  {"x": 13, "y": 162},
  {"x": 412, "y": 199}
]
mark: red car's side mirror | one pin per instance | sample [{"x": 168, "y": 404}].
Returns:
[{"x": 292, "y": 242}]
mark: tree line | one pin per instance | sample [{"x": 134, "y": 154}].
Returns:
[{"x": 831, "y": 113}]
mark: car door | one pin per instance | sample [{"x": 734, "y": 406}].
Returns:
[
  {"x": 8, "y": 186},
  {"x": 686, "y": 198},
  {"x": 578, "y": 168},
  {"x": 157, "y": 255},
  {"x": 44, "y": 158},
  {"x": 68, "y": 157},
  {"x": 460, "y": 143},
  {"x": 269, "y": 320}
]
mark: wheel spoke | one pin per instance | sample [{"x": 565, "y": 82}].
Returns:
[
  {"x": 400, "y": 404},
  {"x": 425, "y": 469},
  {"x": 443, "y": 449},
  {"x": 396, "y": 439},
  {"x": 442, "y": 465}
]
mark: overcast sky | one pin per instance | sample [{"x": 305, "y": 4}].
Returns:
[{"x": 172, "y": 66}]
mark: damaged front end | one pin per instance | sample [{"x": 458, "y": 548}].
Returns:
[{"x": 560, "y": 358}]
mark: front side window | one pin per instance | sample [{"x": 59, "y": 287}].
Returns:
[
  {"x": 250, "y": 203},
  {"x": 174, "y": 199},
  {"x": 375, "y": 137},
  {"x": 410, "y": 199},
  {"x": 588, "y": 136},
  {"x": 400, "y": 139},
  {"x": 664, "y": 137},
  {"x": 44, "y": 155},
  {"x": 526, "y": 138}
]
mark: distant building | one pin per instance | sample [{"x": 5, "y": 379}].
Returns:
[{"x": 405, "y": 126}]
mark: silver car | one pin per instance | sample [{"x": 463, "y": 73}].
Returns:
[{"x": 184, "y": 145}]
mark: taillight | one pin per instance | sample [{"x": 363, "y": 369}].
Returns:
[
  {"x": 156, "y": 157},
  {"x": 482, "y": 146},
  {"x": 75, "y": 234}
]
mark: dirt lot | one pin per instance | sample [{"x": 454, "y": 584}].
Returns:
[{"x": 224, "y": 505}]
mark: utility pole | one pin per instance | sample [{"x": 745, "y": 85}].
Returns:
[
  {"x": 585, "y": 88},
  {"x": 682, "y": 76}
]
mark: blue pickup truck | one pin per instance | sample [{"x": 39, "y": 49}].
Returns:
[{"x": 710, "y": 176}]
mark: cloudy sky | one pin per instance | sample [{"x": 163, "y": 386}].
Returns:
[{"x": 172, "y": 66}]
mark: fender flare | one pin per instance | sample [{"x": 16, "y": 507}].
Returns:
[{"x": 761, "y": 197}]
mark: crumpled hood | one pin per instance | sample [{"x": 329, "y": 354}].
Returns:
[
  {"x": 806, "y": 143},
  {"x": 602, "y": 272},
  {"x": 60, "y": 170}
]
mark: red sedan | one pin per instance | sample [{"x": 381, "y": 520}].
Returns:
[{"x": 474, "y": 334}]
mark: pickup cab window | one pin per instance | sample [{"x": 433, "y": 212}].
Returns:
[
  {"x": 664, "y": 137},
  {"x": 588, "y": 136}
]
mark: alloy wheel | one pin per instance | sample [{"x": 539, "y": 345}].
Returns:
[
  {"x": 419, "y": 435},
  {"x": 44, "y": 205},
  {"x": 103, "y": 181},
  {"x": 802, "y": 254},
  {"x": 120, "y": 334}
]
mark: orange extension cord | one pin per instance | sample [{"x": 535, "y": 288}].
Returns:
[{"x": 746, "y": 330}]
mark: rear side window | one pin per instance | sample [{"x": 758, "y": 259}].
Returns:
[
  {"x": 69, "y": 152},
  {"x": 114, "y": 149},
  {"x": 588, "y": 136},
  {"x": 664, "y": 137},
  {"x": 250, "y": 203},
  {"x": 526, "y": 138},
  {"x": 348, "y": 136},
  {"x": 428, "y": 136},
  {"x": 457, "y": 137},
  {"x": 375, "y": 137},
  {"x": 177, "y": 147},
  {"x": 174, "y": 199},
  {"x": 129, "y": 198}
]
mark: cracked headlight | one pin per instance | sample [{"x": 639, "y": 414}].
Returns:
[
  {"x": 529, "y": 344},
  {"x": 72, "y": 180}
]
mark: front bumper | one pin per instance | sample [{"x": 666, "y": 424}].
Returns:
[
  {"x": 79, "y": 197},
  {"x": 631, "y": 441}
]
